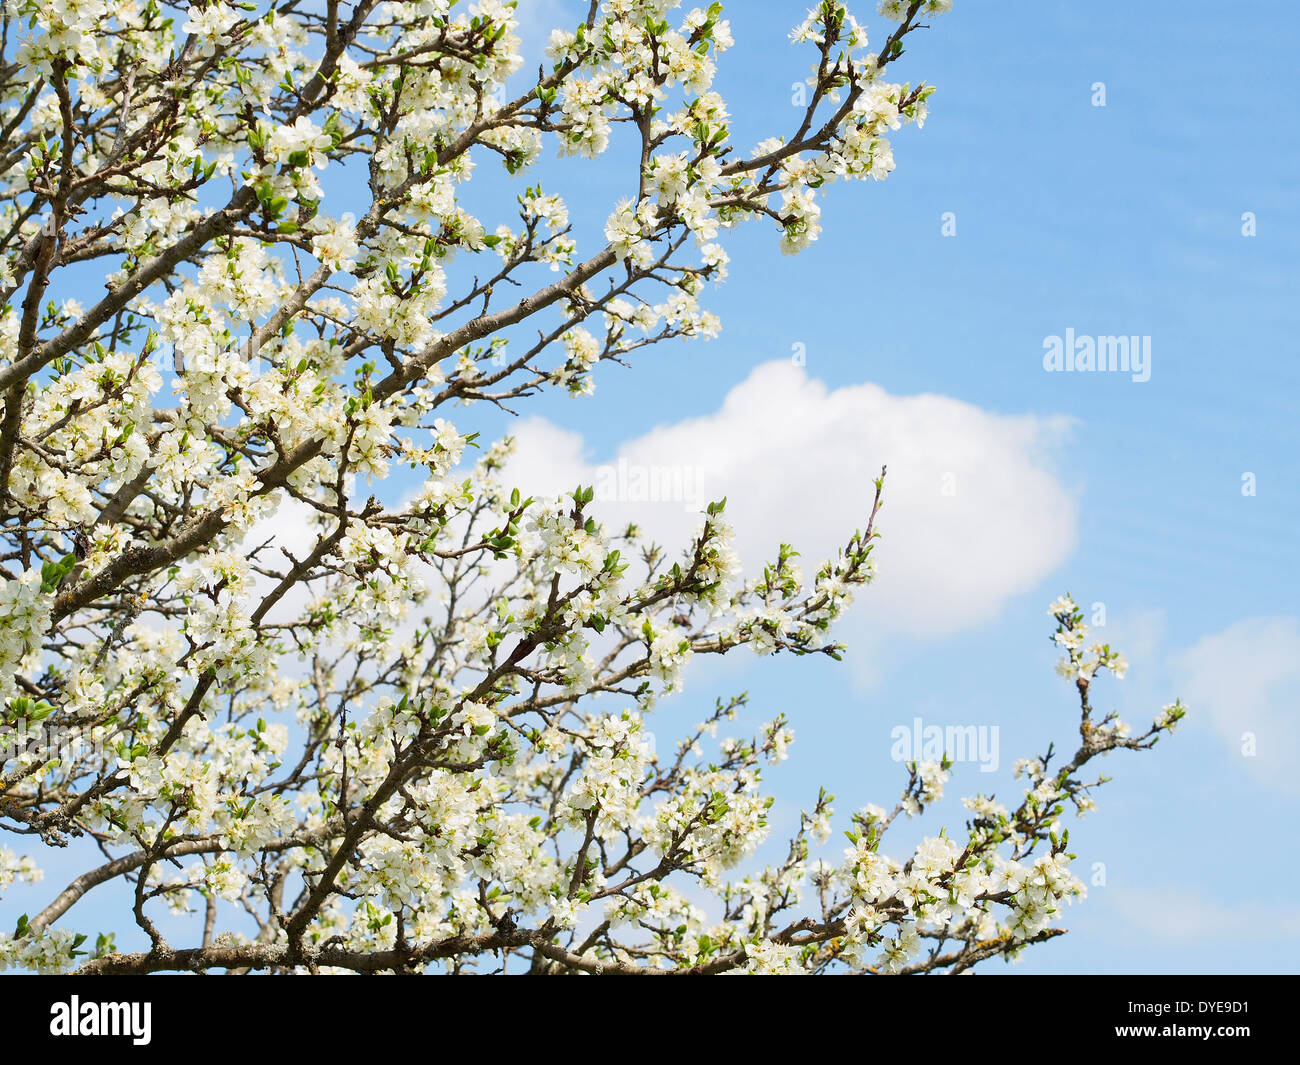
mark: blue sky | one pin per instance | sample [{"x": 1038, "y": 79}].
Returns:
[
  {"x": 1122, "y": 219},
  {"x": 925, "y": 351}
]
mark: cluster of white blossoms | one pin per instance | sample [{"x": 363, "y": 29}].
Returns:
[
  {"x": 416, "y": 720},
  {"x": 1080, "y": 662},
  {"x": 334, "y": 242},
  {"x": 53, "y": 951},
  {"x": 627, "y": 229},
  {"x": 68, "y": 33},
  {"x": 14, "y": 868},
  {"x": 24, "y": 619}
]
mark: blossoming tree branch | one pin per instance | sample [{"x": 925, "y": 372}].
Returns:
[{"x": 413, "y": 734}]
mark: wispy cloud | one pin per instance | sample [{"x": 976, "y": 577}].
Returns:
[
  {"x": 1180, "y": 914},
  {"x": 1245, "y": 679}
]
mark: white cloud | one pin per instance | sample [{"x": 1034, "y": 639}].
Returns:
[
  {"x": 973, "y": 514},
  {"x": 1245, "y": 679}
]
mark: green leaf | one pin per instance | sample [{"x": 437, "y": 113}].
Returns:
[{"x": 52, "y": 573}]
